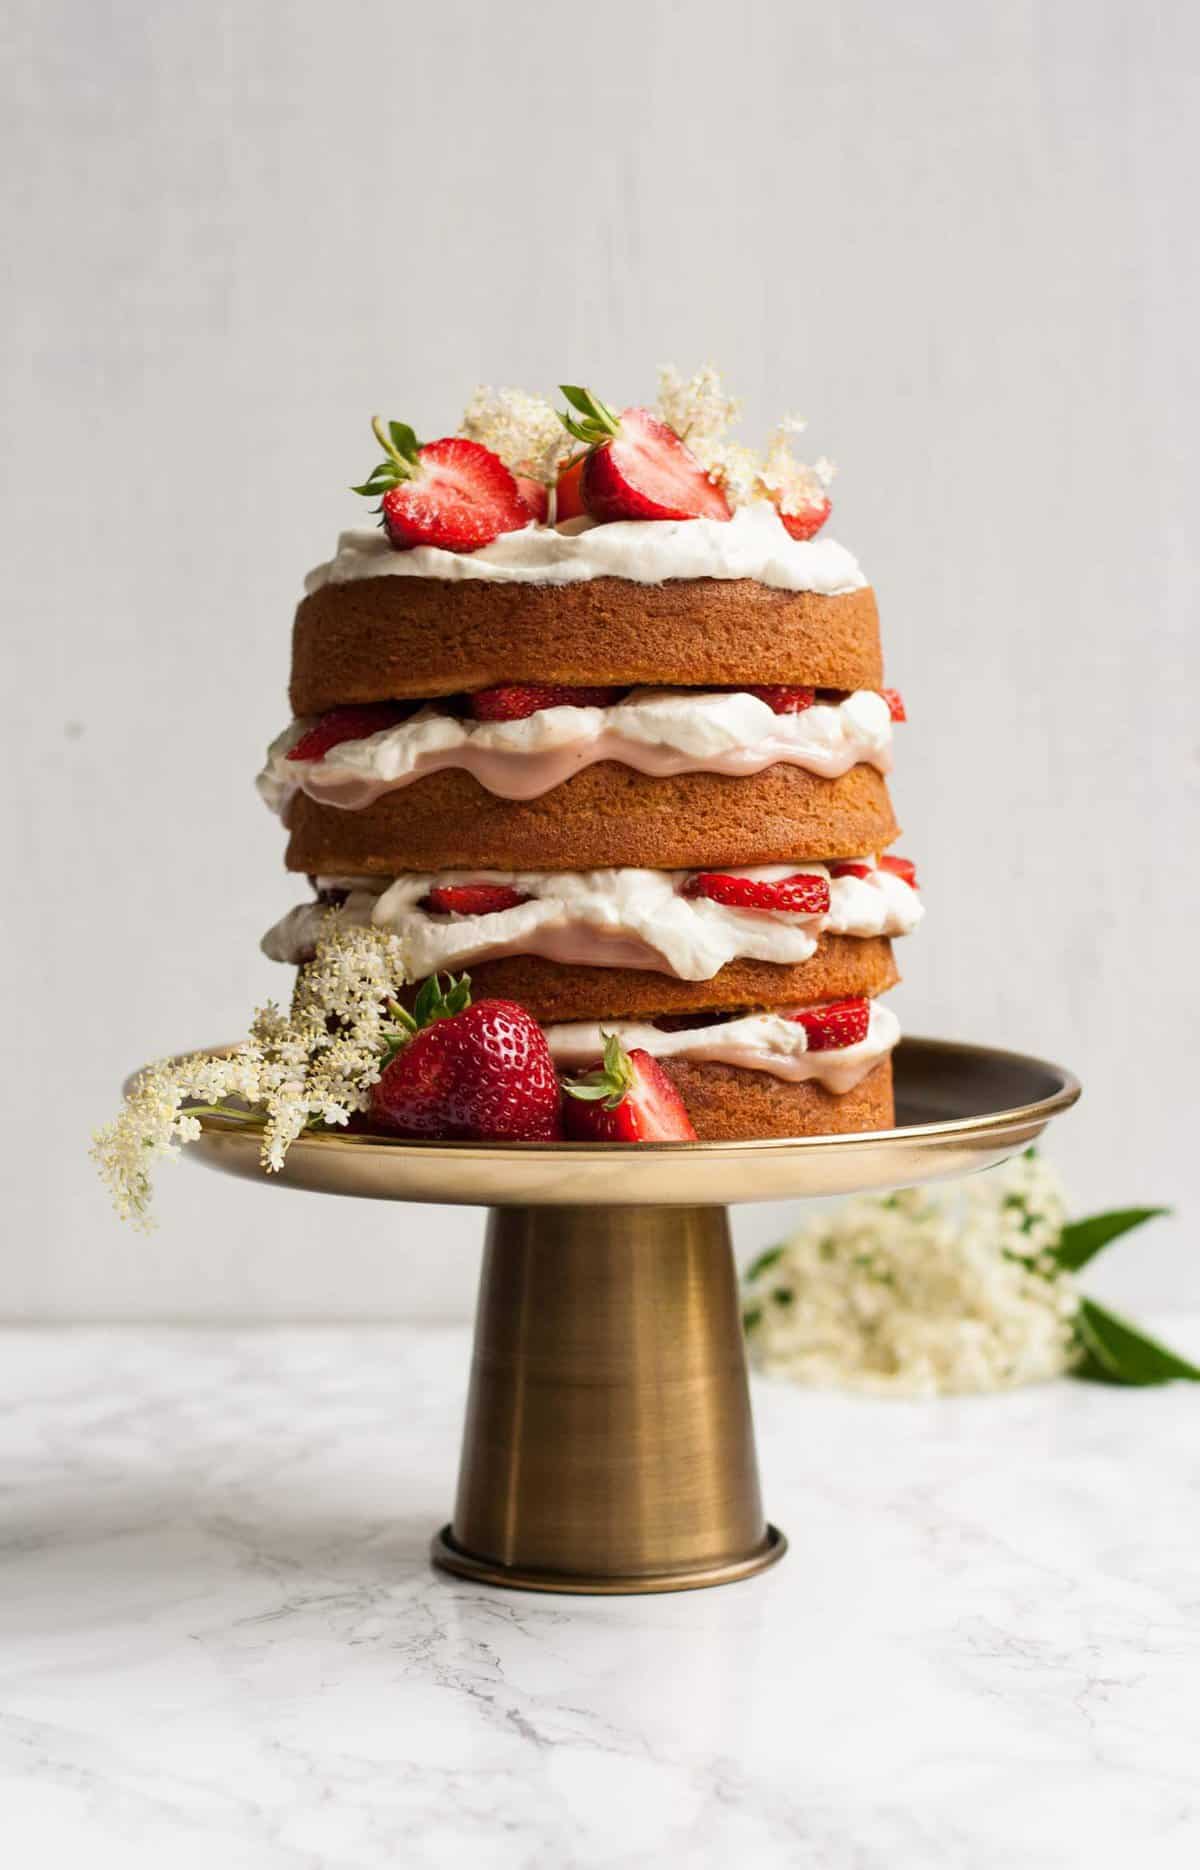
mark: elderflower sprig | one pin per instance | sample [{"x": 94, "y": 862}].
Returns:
[
  {"x": 523, "y": 430},
  {"x": 701, "y": 414},
  {"x": 313, "y": 1065},
  {"x": 696, "y": 407},
  {"x": 935, "y": 1291},
  {"x": 793, "y": 485}
]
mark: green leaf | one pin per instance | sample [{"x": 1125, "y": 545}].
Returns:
[
  {"x": 404, "y": 440},
  {"x": 751, "y": 1317},
  {"x": 575, "y": 429},
  {"x": 769, "y": 1258},
  {"x": 1124, "y": 1353},
  {"x": 435, "y": 1002},
  {"x": 594, "y": 423},
  {"x": 382, "y": 477},
  {"x": 612, "y": 1081},
  {"x": 1080, "y": 1241}
]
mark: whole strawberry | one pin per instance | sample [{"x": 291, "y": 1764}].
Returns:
[
  {"x": 463, "y": 1071},
  {"x": 636, "y": 467},
  {"x": 452, "y": 493}
]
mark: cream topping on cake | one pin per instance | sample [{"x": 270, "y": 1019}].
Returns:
[
  {"x": 656, "y": 731},
  {"x": 753, "y": 544},
  {"x": 606, "y": 918},
  {"x": 768, "y": 1042}
]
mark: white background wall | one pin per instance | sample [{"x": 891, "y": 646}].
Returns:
[{"x": 961, "y": 238}]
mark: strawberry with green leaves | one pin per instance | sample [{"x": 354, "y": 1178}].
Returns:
[
  {"x": 626, "y": 1098},
  {"x": 458, "y": 1070},
  {"x": 451, "y": 493},
  {"x": 635, "y": 466}
]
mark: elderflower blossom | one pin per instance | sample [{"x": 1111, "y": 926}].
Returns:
[
  {"x": 313, "y": 1065},
  {"x": 924, "y": 1292},
  {"x": 522, "y": 430},
  {"x": 792, "y": 484},
  {"x": 697, "y": 407},
  {"x": 700, "y": 413}
]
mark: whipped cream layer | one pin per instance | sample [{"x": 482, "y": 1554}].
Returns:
[
  {"x": 768, "y": 1042},
  {"x": 656, "y": 731},
  {"x": 605, "y": 918},
  {"x": 753, "y": 544}
]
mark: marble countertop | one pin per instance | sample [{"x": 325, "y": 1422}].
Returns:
[{"x": 221, "y": 1643}]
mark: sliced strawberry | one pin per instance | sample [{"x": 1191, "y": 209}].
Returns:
[
  {"x": 900, "y": 867},
  {"x": 471, "y": 899},
  {"x": 452, "y": 493},
  {"x": 785, "y": 700},
  {"x": 832, "y": 1027},
  {"x": 802, "y": 894},
  {"x": 353, "y": 723},
  {"x": 807, "y": 523},
  {"x": 536, "y": 496},
  {"x": 849, "y": 870},
  {"x": 636, "y": 467},
  {"x": 569, "y": 493},
  {"x": 516, "y": 701},
  {"x": 895, "y": 701},
  {"x": 627, "y": 1097}
]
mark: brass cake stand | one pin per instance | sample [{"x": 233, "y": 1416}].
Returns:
[{"x": 609, "y": 1445}]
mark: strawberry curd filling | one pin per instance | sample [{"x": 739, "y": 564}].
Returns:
[
  {"x": 768, "y": 1042},
  {"x": 753, "y": 544},
  {"x": 655, "y": 731},
  {"x": 606, "y": 918}
]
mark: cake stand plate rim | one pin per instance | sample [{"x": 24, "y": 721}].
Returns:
[{"x": 675, "y": 1174}]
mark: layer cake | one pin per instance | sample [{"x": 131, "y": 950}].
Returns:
[{"x": 631, "y": 774}]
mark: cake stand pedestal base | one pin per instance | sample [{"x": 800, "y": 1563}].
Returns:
[{"x": 608, "y": 1445}]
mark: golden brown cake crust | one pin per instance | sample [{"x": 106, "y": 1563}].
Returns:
[
  {"x": 375, "y": 639},
  {"x": 606, "y": 816},
  {"x": 843, "y": 967},
  {"x": 729, "y": 1105}
]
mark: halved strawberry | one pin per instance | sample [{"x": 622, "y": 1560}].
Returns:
[
  {"x": 809, "y": 520},
  {"x": 832, "y": 1027},
  {"x": 516, "y": 701},
  {"x": 801, "y": 895},
  {"x": 785, "y": 700},
  {"x": 471, "y": 899},
  {"x": 452, "y": 493},
  {"x": 569, "y": 493},
  {"x": 536, "y": 496},
  {"x": 636, "y": 467},
  {"x": 849, "y": 870},
  {"x": 627, "y": 1097},
  {"x": 900, "y": 867},
  {"x": 352, "y": 723},
  {"x": 895, "y": 703}
]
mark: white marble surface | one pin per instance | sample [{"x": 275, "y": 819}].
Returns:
[{"x": 221, "y": 1643}]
